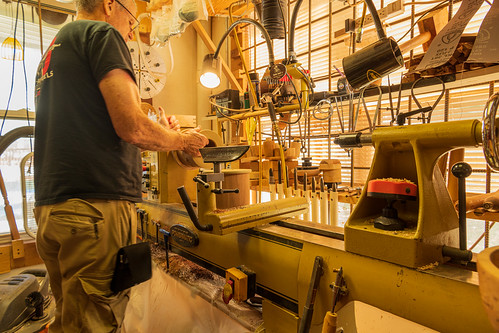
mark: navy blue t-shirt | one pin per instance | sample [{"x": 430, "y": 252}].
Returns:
[{"x": 77, "y": 151}]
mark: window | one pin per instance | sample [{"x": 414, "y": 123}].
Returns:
[{"x": 17, "y": 109}]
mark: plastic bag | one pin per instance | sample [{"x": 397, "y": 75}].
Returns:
[{"x": 172, "y": 20}]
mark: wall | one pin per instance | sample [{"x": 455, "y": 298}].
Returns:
[{"x": 183, "y": 94}]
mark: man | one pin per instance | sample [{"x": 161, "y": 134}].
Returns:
[{"x": 89, "y": 132}]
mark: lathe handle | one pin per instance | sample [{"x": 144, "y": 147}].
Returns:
[
  {"x": 461, "y": 170},
  {"x": 490, "y": 149},
  {"x": 190, "y": 210},
  {"x": 402, "y": 116},
  {"x": 329, "y": 324},
  {"x": 198, "y": 179},
  {"x": 223, "y": 190}
]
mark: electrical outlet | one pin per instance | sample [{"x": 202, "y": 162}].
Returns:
[
  {"x": 390, "y": 10},
  {"x": 17, "y": 248}
]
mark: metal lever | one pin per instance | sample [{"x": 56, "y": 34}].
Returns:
[
  {"x": 308, "y": 309},
  {"x": 198, "y": 179},
  {"x": 461, "y": 170},
  {"x": 223, "y": 190},
  {"x": 190, "y": 210},
  {"x": 402, "y": 116},
  {"x": 166, "y": 235}
]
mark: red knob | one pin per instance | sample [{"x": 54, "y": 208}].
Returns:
[{"x": 228, "y": 291}]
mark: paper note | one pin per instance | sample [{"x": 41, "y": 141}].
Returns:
[
  {"x": 445, "y": 43},
  {"x": 486, "y": 47}
]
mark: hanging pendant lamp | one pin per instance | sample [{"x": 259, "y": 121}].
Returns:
[{"x": 11, "y": 49}]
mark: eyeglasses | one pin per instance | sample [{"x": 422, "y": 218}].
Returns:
[{"x": 129, "y": 12}]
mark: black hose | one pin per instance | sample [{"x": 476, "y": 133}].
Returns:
[
  {"x": 291, "y": 44},
  {"x": 259, "y": 26},
  {"x": 273, "y": 18},
  {"x": 376, "y": 19},
  {"x": 291, "y": 47}
]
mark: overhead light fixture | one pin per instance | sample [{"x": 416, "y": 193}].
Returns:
[
  {"x": 11, "y": 49},
  {"x": 210, "y": 75},
  {"x": 277, "y": 71}
]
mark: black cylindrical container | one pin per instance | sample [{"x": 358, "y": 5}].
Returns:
[
  {"x": 372, "y": 62},
  {"x": 272, "y": 17}
]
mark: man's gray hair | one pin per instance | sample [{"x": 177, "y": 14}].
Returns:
[{"x": 87, "y": 5}]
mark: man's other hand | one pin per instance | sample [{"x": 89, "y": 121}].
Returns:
[{"x": 170, "y": 122}]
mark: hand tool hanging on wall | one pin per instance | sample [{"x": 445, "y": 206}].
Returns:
[
  {"x": 296, "y": 190},
  {"x": 306, "y": 193},
  {"x": 423, "y": 110},
  {"x": 272, "y": 186},
  {"x": 323, "y": 203},
  {"x": 289, "y": 189},
  {"x": 333, "y": 205},
  {"x": 279, "y": 185},
  {"x": 314, "y": 200},
  {"x": 372, "y": 125}
]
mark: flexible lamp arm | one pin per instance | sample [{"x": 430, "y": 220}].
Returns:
[
  {"x": 292, "y": 25},
  {"x": 377, "y": 22},
  {"x": 259, "y": 26},
  {"x": 291, "y": 44}
]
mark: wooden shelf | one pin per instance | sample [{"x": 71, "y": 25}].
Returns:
[{"x": 463, "y": 79}]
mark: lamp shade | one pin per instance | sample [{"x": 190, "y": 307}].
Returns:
[
  {"x": 210, "y": 72},
  {"x": 11, "y": 49}
]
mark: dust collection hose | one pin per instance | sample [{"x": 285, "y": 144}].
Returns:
[
  {"x": 260, "y": 27},
  {"x": 291, "y": 48},
  {"x": 20, "y": 132}
]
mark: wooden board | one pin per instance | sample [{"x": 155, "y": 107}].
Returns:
[{"x": 5, "y": 259}]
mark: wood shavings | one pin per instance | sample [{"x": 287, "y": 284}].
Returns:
[
  {"x": 224, "y": 210},
  {"x": 427, "y": 267},
  {"x": 209, "y": 285},
  {"x": 397, "y": 180},
  {"x": 179, "y": 266}
]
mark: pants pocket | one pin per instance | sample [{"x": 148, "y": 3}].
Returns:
[
  {"x": 105, "y": 311},
  {"x": 77, "y": 218}
]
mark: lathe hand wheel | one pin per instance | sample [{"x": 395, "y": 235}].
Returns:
[{"x": 490, "y": 132}]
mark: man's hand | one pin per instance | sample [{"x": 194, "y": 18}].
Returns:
[
  {"x": 193, "y": 140},
  {"x": 170, "y": 122}
]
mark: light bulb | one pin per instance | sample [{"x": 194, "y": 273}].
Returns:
[{"x": 209, "y": 80}]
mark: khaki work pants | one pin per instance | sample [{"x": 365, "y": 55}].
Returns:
[{"x": 78, "y": 241}]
